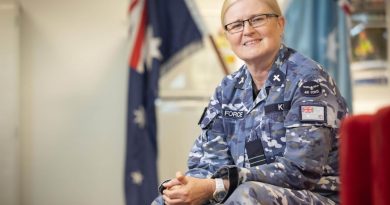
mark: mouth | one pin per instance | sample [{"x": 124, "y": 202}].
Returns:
[{"x": 252, "y": 42}]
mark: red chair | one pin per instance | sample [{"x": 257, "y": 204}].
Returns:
[
  {"x": 355, "y": 160},
  {"x": 380, "y": 157}
]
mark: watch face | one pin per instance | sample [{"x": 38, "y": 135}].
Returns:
[{"x": 218, "y": 196}]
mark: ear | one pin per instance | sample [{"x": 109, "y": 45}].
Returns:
[{"x": 281, "y": 22}]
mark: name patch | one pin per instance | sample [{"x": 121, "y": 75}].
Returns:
[
  {"x": 233, "y": 114},
  {"x": 313, "y": 113},
  {"x": 277, "y": 107},
  {"x": 311, "y": 89}
]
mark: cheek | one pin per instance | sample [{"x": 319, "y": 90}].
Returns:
[
  {"x": 269, "y": 33},
  {"x": 275, "y": 33},
  {"x": 272, "y": 36}
]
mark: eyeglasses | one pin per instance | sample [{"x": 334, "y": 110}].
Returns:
[{"x": 254, "y": 21}]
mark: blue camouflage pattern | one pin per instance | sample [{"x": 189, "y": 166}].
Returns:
[
  {"x": 261, "y": 193},
  {"x": 300, "y": 155}
]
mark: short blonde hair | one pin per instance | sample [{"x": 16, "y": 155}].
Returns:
[{"x": 273, "y": 4}]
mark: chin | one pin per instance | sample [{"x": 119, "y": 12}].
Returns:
[{"x": 258, "y": 55}]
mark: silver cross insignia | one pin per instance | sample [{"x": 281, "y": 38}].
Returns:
[
  {"x": 241, "y": 81},
  {"x": 276, "y": 77}
]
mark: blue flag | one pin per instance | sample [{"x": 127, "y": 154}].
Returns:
[
  {"x": 318, "y": 29},
  {"x": 161, "y": 33}
]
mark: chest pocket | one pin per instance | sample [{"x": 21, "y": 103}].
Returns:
[
  {"x": 223, "y": 123},
  {"x": 273, "y": 125},
  {"x": 231, "y": 121},
  {"x": 235, "y": 136}
]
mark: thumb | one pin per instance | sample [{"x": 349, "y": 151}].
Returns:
[{"x": 180, "y": 177}]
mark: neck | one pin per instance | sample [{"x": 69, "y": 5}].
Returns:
[
  {"x": 259, "y": 69},
  {"x": 259, "y": 72},
  {"x": 259, "y": 76}
]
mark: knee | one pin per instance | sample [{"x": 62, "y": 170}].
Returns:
[
  {"x": 243, "y": 192},
  {"x": 244, "y": 188},
  {"x": 251, "y": 193}
]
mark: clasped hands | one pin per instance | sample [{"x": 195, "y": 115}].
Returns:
[{"x": 186, "y": 190}]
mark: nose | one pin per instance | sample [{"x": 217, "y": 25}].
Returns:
[{"x": 247, "y": 27}]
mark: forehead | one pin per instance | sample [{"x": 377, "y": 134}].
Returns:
[{"x": 244, "y": 9}]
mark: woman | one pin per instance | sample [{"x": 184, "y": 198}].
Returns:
[{"x": 269, "y": 134}]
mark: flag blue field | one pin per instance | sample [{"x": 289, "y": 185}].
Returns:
[
  {"x": 161, "y": 33},
  {"x": 318, "y": 29}
]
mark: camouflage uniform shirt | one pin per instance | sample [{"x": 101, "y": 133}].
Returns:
[{"x": 285, "y": 136}]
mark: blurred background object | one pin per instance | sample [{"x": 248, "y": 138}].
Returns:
[
  {"x": 370, "y": 70},
  {"x": 318, "y": 29}
]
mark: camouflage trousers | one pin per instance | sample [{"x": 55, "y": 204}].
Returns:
[
  {"x": 260, "y": 193},
  {"x": 266, "y": 194}
]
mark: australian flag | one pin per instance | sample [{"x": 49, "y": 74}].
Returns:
[{"x": 161, "y": 33}]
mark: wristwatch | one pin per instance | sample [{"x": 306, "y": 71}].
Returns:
[{"x": 220, "y": 192}]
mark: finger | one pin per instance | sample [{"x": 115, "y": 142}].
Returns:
[
  {"x": 175, "y": 187},
  {"x": 172, "y": 194},
  {"x": 170, "y": 201},
  {"x": 166, "y": 184},
  {"x": 175, "y": 193},
  {"x": 171, "y": 183},
  {"x": 181, "y": 178},
  {"x": 179, "y": 174}
]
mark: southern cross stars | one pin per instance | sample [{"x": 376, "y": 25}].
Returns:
[
  {"x": 137, "y": 177},
  {"x": 152, "y": 48},
  {"x": 139, "y": 118}
]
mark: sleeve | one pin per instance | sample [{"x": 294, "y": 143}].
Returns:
[
  {"x": 310, "y": 131},
  {"x": 210, "y": 150}
]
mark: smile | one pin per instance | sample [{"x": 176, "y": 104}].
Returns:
[{"x": 252, "y": 42}]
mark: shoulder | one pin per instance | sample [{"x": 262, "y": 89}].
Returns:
[
  {"x": 301, "y": 67},
  {"x": 226, "y": 87},
  {"x": 228, "y": 83},
  {"x": 233, "y": 77},
  {"x": 311, "y": 88}
]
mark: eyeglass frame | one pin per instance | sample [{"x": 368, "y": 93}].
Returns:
[{"x": 250, "y": 22}]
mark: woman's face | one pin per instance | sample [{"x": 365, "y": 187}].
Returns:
[{"x": 254, "y": 44}]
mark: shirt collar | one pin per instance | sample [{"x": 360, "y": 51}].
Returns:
[{"x": 277, "y": 74}]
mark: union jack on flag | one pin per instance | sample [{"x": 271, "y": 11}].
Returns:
[
  {"x": 307, "y": 109},
  {"x": 161, "y": 33}
]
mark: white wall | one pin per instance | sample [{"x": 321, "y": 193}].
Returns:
[
  {"x": 9, "y": 104},
  {"x": 73, "y": 103},
  {"x": 73, "y": 99}
]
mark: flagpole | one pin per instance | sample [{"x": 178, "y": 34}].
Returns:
[
  {"x": 219, "y": 55},
  {"x": 201, "y": 25}
]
